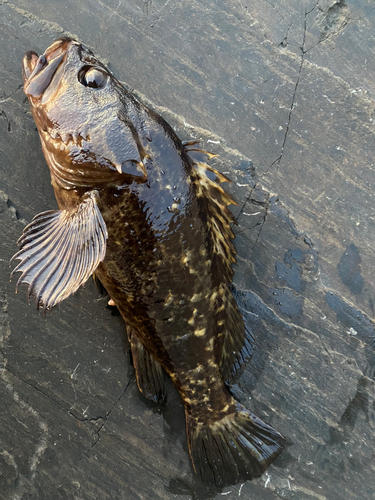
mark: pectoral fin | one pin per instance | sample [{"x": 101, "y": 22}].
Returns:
[{"x": 60, "y": 250}]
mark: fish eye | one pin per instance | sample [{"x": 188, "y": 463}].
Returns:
[{"x": 92, "y": 77}]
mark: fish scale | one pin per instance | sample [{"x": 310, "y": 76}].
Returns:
[{"x": 153, "y": 227}]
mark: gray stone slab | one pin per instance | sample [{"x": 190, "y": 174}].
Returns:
[{"x": 283, "y": 91}]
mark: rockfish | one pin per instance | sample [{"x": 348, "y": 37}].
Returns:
[{"x": 153, "y": 226}]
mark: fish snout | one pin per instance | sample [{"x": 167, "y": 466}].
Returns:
[
  {"x": 38, "y": 71},
  {"x": 58, "y": 47},
  {"x": 31, "y": 58}
]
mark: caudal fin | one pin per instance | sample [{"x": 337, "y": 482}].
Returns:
[{"x": 238, "y": 447}]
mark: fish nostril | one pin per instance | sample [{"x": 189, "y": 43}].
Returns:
[{"x": 42, "y": 61}]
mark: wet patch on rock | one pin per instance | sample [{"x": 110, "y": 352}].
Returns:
[
  {"x": 287, "y": 302},
  {"x": 349, "y": 269},
  {"x": 333, "y": 19},
  {"x": 358, "y": 326}
]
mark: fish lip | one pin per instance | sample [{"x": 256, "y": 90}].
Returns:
[
  {"x": 28, "y": 64},
  {"x": 37, "y": 71}
]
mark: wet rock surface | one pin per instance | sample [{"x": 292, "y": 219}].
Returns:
[{"x": 283, "y": 91}]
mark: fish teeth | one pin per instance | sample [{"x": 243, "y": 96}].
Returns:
[
  {"x": 84, "y": 133},
  {"x": 65, "y": 137},
  {"x": 54, "y": 133},
  {"x": 75, "y": 136}
]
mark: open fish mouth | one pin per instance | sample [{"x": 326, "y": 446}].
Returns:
[{"x": 42, "y": 72}]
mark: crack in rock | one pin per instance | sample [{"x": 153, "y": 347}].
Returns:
[
  {"x": 68, "y": 410},
  {"x": 293, "y": 103},
  {"x": 9, "y": 96},
  {"x": 287, "y": 128},
  {"x": 261, "y": 227},
  {"x": 105, "y": 419},
  {"x": 284, "y": 42},
  {"x": 14, "y": 214}
]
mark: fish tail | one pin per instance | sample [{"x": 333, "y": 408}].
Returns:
[{"x": 238, "y": 447}]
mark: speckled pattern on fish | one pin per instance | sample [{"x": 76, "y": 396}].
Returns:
[{"x": 154, "y": 227}]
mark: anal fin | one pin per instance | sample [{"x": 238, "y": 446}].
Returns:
[{"x": 149, "y": 372}]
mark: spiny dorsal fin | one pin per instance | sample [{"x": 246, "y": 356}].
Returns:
[
  {"x": 233, "y": 336},
  {"x": 60, "y": 250},
  {"x": 192, "y": 146},
  {"x": 207, "y": 183}
]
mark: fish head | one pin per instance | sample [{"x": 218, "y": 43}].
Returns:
[{"x": 84, "y": 117}]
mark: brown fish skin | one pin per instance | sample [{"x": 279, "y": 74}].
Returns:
[{"x": 154, "y": 226}]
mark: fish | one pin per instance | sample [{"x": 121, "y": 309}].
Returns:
[{"x": 152, "y": 225}]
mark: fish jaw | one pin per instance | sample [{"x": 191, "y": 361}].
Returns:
[
  {"x": 39, "y": 71},
  {"x": 31, "y": 57}
]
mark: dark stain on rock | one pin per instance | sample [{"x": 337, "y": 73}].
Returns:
[
  {"x": 357, "y": 404},
  {"x": 257, "y": 317},
  {"x": 197, "y": 490},
  {"x": 280, "y": 211},
  {"x": 371, "y": 305},
  {"x": 333, "y": 19},
  {"x": 349, "y": 269},
  {"x": 307, "y": 257},
  {"x": 287, "y": 302},
  {"x": 360, "y": 403},
  {"x": 359, "y": 326},
  {"x": 290, "y": 271}
]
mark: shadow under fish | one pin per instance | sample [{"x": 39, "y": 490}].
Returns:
[{"x": 155, "y": 228}]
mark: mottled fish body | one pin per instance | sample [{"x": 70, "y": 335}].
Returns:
[{"x": 153, "y": 226}]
